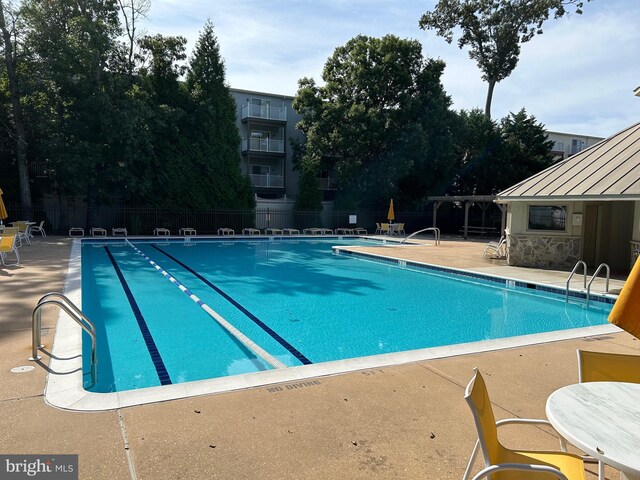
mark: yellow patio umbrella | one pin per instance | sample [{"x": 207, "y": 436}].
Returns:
[
  {"x": 3, "y": 210},
  {"x": 391, "y": 216},
  {"x": 626, "y": 311}
]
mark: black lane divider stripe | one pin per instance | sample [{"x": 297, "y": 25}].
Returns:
[
  {"x": 163, "y": 375},
  {"x": 290, "y": 348}
]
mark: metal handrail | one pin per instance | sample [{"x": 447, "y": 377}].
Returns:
[
  {"x": 75, "y": 313},
  {"x": 580, "y": 262},
  {"x": 606, "y": 288},
  {"x": 435, "y": 230}
]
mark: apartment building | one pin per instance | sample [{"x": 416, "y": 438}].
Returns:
[
  {"x": 567, "y": 144},
  {"x": 267, "y": 124}
]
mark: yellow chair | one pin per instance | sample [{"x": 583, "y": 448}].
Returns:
[
  {"x": 8, "y": 245},
  {"x": 607, "y": 367},
  {"x": 10, "y": 231},
  {"x": 384, "y": 229},
  {"x": 502, "y": 463}
]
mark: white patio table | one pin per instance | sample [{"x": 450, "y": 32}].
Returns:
[{"x": 603, "y": 420}]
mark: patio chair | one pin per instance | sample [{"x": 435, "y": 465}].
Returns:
[
  {"x": 497, "y": 249},
  {"x": 607, "y": 367},
  {"x": 8, "y": 245},
  {"x": 23, "y": 233},
  {"x": 502, "y": 463},
  {"x": 384, "y": 229},
  {"x": 38, "y": 228},
  {"x": 10, "y": 231},
  {"x": 378, "y": 229}
]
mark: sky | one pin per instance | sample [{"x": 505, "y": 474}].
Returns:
[{"x": 578, "y": 77}]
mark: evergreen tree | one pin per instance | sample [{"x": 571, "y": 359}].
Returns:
[{"x": 214, "y": 122}]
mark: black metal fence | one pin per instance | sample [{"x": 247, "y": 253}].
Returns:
[{"x": 142, "y": 220}]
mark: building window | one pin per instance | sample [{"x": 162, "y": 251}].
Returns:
[{"x": 547, "y": 217}]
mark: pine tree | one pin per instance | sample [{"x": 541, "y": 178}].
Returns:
[{"x": 214, "y": 123}]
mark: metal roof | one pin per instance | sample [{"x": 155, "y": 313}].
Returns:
[{"x": 608, "y": 170}]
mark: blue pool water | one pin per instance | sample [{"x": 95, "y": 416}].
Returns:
[{"x": 297, "y": 300}]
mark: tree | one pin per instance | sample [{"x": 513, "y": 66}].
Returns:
[
  {"x": 132, "y": 11},
  {"x": 213, "y": 122},
  {"x": 17, "y": 117},
  {"x": 495, "y": 156},
  {"x": 362, "y": 120},
  {"x": 494, "y": 30}
]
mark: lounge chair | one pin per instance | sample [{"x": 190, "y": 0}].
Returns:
[
  {"x": 118, "y": 232},
  {"x": 250, "y": 231},
  {"x": 360, "y": 231},
  {"x": 8, "y": 245},
  {"x": 325, "y": 231},
  {"x": 76, "y": 232},
  {"x": 496, "y": 249},
  {"x": 161, "y": 231},
  {"x": 521, "y": 463},
  {"x": 272, "y": 231},
  {"x": 98, "y": 232},
  {"x": 291, "y": 231},
  {"x": 38, "y": 228},
  {"x": 607, "y": 367},
  {"x": 188, "y": 231},
  {"x": 311, "y": 231},
  {"x": 226, "y": 231},
  {"x": 344, "y": 231}
]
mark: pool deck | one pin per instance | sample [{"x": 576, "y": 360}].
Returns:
[{"x": 402, "y": 422}]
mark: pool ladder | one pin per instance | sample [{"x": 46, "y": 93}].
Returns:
[
  {"x": 584, "y": 282},
  {"x": 435, "y": 230},
  {"x": 55, "y": 298}
]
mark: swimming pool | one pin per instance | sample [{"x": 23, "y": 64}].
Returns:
[{"x": 294, "y": 299}]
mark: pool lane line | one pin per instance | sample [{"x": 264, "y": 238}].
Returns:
[
  {"x": 273, "y": 334},
  {"x": 156, "y": 358},
  {"x": 241, "y": 337}
]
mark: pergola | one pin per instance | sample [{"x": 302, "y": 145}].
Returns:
[{"x": 483, "y": 201}]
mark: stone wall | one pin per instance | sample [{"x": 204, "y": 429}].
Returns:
[{"x": 543, "y": 251}]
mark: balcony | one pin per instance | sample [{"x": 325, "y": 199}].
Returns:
[
  {"x": 267, "y": 180},
  {"x": 266, "y": 145},
  {"x": 265, "y": 112}
]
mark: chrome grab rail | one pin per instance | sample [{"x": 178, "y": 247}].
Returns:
[
  {"x": 600, "y": 267},
  {"x": 580, "y": 262},
  {"x": 75, "y": 313},
  {"x": 435, "y": 230}
]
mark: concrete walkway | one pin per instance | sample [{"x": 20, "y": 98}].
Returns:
[{"x": 403, "y": 422}]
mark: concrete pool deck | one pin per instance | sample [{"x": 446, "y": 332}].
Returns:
[{"x": 405, "y": 421}]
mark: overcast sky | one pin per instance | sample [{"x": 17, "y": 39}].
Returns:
[{"x": 578, "y": 77}]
